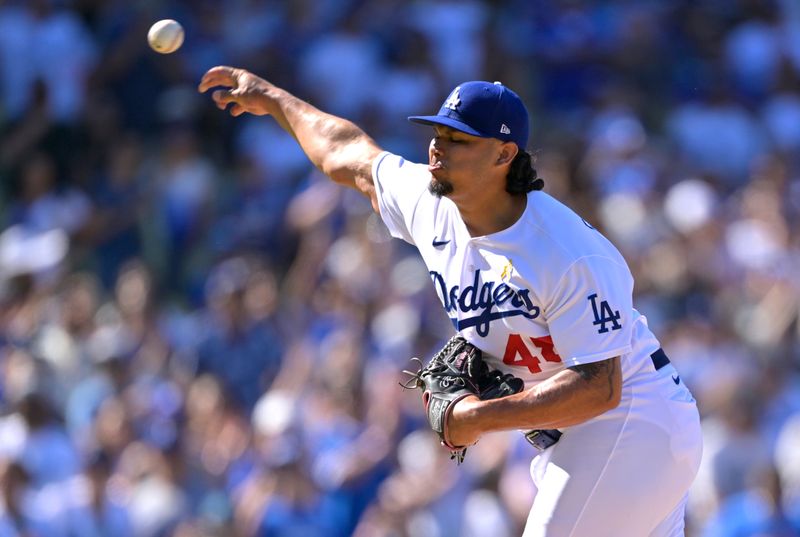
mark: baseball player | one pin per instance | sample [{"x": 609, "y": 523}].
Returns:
[{"x": 541, "y": 292}]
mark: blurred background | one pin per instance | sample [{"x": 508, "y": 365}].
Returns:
[{"x": 201, "y": 336}]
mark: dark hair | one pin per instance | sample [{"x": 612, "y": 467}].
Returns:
[{"x": 522, "y": 177}]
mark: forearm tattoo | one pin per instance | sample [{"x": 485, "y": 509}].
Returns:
[{"x": 603, "y": 369}]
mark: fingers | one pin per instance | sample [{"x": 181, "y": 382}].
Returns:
[
  {"x": 226, "y": 77},
  {"x": 222, "y": 75},
  {"x": 222, "y": 98}
]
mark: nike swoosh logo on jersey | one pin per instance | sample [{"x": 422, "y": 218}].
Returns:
[
  {"x": 436, "y": 243},
  {"x": 676, "y": 379}
]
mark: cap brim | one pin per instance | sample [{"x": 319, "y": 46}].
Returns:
[{"x": 447, "y": 122}]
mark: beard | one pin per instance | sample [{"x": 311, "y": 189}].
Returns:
[{"x": 439, "y": 188}]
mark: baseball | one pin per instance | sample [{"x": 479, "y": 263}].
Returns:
[{"x": 165, "y": 36}]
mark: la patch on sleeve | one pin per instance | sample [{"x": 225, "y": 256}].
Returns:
[{"x": 603, "y": 314}]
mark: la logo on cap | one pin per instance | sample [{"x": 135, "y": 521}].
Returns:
[
  {"x": 483, "y": 109},
  {"x": 454, "y": 100}
]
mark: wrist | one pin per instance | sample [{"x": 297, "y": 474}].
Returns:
[
  {"x": 272, "y": 97},
  {"x": 466, "y": 414}
]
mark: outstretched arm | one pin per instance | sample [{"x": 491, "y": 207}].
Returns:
[{"x": 339, "y": 148}]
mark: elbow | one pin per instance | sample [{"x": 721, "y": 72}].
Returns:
[
  {"x": 601, "y": 401},
  {"x": 617, "y": 397},
  {"x": 329, "y": 166},
  {"x": 607, "y": 395},
  {"x": 610, "y": 398},
  {"x": 339, "y": 165},
  {"x": 339, "y": 175},
  {"x": 602, "y": 382}
]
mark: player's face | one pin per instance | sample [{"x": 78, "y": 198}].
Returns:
[{"x": 457, "y": 159}]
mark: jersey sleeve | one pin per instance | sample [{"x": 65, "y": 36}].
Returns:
[
  {"x": 400, "y": 185},
  {"x": 590, "y": 312}
]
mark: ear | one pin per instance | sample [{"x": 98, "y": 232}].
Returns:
[{"x": 508, "y": 150}]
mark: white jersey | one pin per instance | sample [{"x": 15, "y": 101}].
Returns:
[{"x": 549, "y": 292}]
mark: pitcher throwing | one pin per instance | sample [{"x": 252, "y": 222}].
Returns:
[{"x": 543, "y": 294}]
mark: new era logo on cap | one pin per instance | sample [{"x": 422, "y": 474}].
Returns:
[{"x": 483, "y": 109}]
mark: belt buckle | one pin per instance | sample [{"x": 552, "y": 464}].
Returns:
[{"x": 542, "y": 439}]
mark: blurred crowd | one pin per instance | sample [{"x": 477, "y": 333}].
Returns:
[{"x": 201, "y": 336}]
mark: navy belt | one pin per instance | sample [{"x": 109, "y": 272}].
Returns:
[
  {"x": 659, "y": 359},
  {"x": 543, "y": 439}
]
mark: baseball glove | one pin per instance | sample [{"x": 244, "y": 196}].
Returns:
[
  {"x": 455, "y": 372},
  {"x": 495, "y": 384}
]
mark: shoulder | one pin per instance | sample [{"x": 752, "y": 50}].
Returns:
[
  {"x": 565, "y": 234},
  {"x": 559, "y": 247}
]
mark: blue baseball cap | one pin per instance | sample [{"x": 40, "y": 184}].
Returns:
[{"x": 485, "y": 109}]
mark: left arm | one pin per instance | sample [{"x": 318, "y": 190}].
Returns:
[{"x": 572, "y": 396}]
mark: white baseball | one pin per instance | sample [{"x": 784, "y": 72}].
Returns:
[{"x": 165, "y": 36}]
